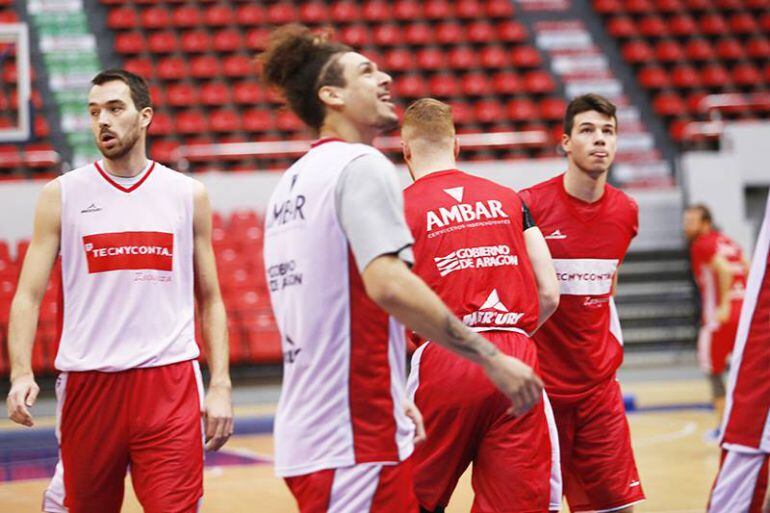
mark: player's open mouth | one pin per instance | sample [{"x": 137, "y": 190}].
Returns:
[
  {"x": 386, "y": 98},
  {"x": 108, "y": 139}
]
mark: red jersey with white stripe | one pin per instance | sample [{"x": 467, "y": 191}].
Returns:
[
  {"x": 747, "y": 416},
  {"x": 344, "y": 372},
  {"x": 127, "y": 270},
  {"x": 469, "y": 248},
  {"x": 581, "y": 344},
  {"x": 703, "y": 250}
]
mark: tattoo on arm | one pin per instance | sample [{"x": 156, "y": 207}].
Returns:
[{"x": 466, "y": 341}]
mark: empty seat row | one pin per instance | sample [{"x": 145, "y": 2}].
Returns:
[{"x": 684, "y": 25}]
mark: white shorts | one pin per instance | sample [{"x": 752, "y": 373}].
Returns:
[{"x": 741, "y": 483}]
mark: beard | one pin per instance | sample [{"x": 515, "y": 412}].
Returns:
[{"x": 122, "y": 147}]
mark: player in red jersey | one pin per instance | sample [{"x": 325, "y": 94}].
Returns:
[
  {"x": 720, "y": 272},
  {"x": 135, "y": 239},
  {"x": 477, "y": 247},
  {"x": 741, "y": 485},
  {"x": 588, "y": 225}
]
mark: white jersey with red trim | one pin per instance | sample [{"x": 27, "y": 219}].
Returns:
[
  {"x": 344, "y": 358},
  {"x": 747, "y": 416},
  {"x": 127, "y": 270}
]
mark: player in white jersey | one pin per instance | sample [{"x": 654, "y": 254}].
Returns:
[
  {"x": 134, "y": 239},
  {"x": 337, "y": 250}
]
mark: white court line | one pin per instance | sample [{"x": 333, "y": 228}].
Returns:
[{"x": 688, "y": 429}]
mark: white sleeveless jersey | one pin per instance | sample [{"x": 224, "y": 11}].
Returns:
[
  {"x": 127, "y": 270},
  {"x": 344, "y": 358}
]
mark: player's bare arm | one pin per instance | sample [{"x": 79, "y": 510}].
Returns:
[
  {"x": 545, "y": 274},
  {"x": 25, "y": 308},
  {"x": 218, "y": 408},
  {"x": 726, "y": 276},
  {"x": 399, "y": 292}
]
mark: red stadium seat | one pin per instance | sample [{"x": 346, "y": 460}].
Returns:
[
  {"x": 376, "y": 10},
  {"x": 161, "y": 124},
  {"x": 287, "y": 121},
  {"x": 407, "y": 10},
  {"x": 250, "y": 14},
  {"x": 743, "y": 23},
  {"x": 215, "y": 94},
  {"x": 476, "y": 84},
  {"x": 715, "y": 76},
  {"x": 444, "y": 86},
  {"x": 713, "y": 24},
  {"x": 257, "y": 120},
  {"x": 228, "y": 40},
  {"x": 186, "y": 16},
  {"x": 399, "y": 59},
  {"x": 511, "y": 31},
  {"x": 10, "y": 156},
  {"x": 191, "y": 122},
  {"x": 653, "y": 26},
  {"x": 758, "y": 48},
  {"x": 552, "y": 108},
  {"x": 764, "y": 22},
  {"x": 697, "y": 5},
  {"x": 637, "y": 52},
  {"x": 668, "y": 6},
  {"x": 238, "y": 66},
  {"x": 653, "y": 77},
  {"x": 345, "y": 11},
  {"x": 462, "y": 57},
  {"x": 130, "y": 42},
  {"x": 164, "y": 150},
  {"x": 668, "y": 50},
  {"x": 729, "y": 49},
  {"x": 225, "y": 120},
  {"x": 182, "y": 95},
  {"x": 746, "y": 74},
  {"x": 761, "y": 5},
  {"x": 669, "y": 105},
  {"x": 682, "y": 25},
  {"x": 41, "y": 128},
  {"x": 205, "y": 67},
  {"x": 494, "y": 57},
  {"x": 418, "y": 34},
  {"x": 196, "y": 41},
  {"x": 462, "y": 113},
  {"x": 122, "y": 18},
  {"x": 256, "y": 39},
  {"x": 539, "y": 82},
  {"x": 247, "y": 93},
  {"x": 694, "y": 102},
  {"x": 507, "y": 83},
  {"x": 521, "y": 110},
  {"x": 639, "y": 6},
  {"x": 480, "y": 32},
  {"x": 388, "y": 35},
  {"x": 685, "y": 77},
  {"x": 219, "y": 15},
  {"x": 489, "y": 111},
  {"x": 729, "y": 5},
  {"x": 155, "y": 18},
  {"x": 355, "y": 36},
  {"x": 162, "y": 42},
  {"x": 622, "y": 27},
  {"x": 699, "y": 49},
  {"x": 281, "y": 13},
  {"x": 469, "y": 9},
  {"x": 410, "y": 86},
  {"x": 500, "y": 9},
  {"x": 608, "y": 6},
  {"x": 172, "y": 68},
  {"x": 523, "y": 57},
  {"x": 314, "y": 13},
  {"x": 438, "y": 9},
  {"x": 450, "y": 33}
]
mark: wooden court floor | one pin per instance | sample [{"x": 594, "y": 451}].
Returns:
[{"x": 676, "y": 466}]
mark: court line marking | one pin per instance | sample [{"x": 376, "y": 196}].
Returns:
[{"x": 688, "y": 429}]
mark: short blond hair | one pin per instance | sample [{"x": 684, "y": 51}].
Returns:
[{"x": 428, "y": 119}]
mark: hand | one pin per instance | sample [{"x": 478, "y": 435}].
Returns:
[
  {"x": 21, "y": 398},
  {"x": 723, "y": 313},
  {"x": 217, "y": 417},
  {"x": 419, "y": 427},
  {"x": 517, "y": 381}
]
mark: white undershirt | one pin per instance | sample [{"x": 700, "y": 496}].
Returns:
[{"x": 127, "y": 181}]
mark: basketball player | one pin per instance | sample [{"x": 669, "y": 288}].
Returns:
[
  {"x": 720, "y": 272},
  {"x": 741, "y": 485},
  {"x": 135, "y": 239},
  {"x": 588, "y": 225},
  {"x": 336, "y": 252},
  {"x": 477, "y": 246}
]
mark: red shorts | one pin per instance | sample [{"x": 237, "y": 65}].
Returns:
[
  {"x": 741, "y": 483},
  {"x": 147, "y": 419},
  {"x": 597, "y": 460},
  {"x": 466, "y": 421},
  {"x": 715, "y": 343},
  {"x": 365, "y": 488}
]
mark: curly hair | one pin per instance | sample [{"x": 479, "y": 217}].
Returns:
[{"x": 299, "y": 62}]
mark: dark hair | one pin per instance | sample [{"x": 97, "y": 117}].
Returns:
[
  {"x": 705, "y": 212},
  {"x": 299, "y": 63},
  {"x": 586, "y": 103},
  {"x": 140, "y": 91}
]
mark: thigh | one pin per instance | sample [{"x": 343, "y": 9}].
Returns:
[
  {"x": 166, "y": 444},
  {"x": 722, "y": 342},
  {"x": 93, "y": 442},
  {"x": 601, "y": 466},
  {"x": 451, "y": 412},
  {"x": 741, "y": 483}
]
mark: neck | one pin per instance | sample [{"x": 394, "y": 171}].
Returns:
[
  {"x": 584, "y": 186},
  {"x": 130, "y": 164},
  {"x": 427, "y": 164},
  {"x": 343, "y": 128}
]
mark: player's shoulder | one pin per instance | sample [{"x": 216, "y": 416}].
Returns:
[
  {"x": 79, "y": 174},
  {"x": 622, "y": 198},
  {"x": 544, "y": 188}
]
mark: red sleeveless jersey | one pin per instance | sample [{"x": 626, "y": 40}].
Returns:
[
  {"x": 469, "y": 248},
  {"x": 580, "y": 345}
]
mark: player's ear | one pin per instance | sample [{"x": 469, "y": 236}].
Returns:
[
  {"x": 565, "y": 142},
  {"x": 331, "y": 96},
  {"x": 406, "y": 150},
  {"x": 146, "y": 117},
  {"x": 457, "y": 147}
]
